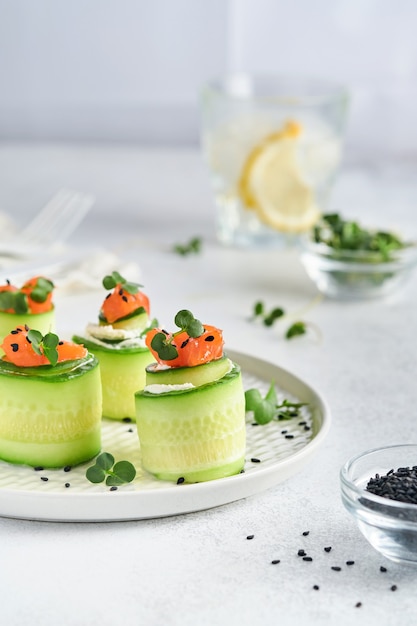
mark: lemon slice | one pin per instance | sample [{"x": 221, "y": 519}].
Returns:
[{"x": 271, "y": 183}]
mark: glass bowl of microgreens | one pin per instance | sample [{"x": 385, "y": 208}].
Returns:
[
  {"x": 379, "y": 489},
  {"x": 347, "y": 260}
]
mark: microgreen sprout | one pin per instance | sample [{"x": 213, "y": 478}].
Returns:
[
  {"x": 112, "y": 280},
  {"x": 114, "y": 474},
  {"x": 192, "y": 247},
  {"x": 268, "y": 318},
  {"x": 45, "y": 345},
  {"x": 186, "y": 322},
  {"x": 265, "y": 409}
]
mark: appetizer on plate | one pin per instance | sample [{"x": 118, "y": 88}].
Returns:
[
  {"x": 191, "y": 414},
  {"x": 30, "y": 304},
  {"x": 50, "y": 400},
  {"x": 117, "y": 340}
]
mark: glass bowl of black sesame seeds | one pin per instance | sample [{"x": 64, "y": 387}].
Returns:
[{"x": 379, "y": 489}]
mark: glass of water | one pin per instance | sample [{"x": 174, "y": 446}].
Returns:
[{"x": 273, "y": 146}]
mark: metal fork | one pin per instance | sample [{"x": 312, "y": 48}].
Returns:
[{"x": 55, "y": 222}]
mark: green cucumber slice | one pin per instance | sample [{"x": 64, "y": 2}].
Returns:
[
  {"x": 136, "y": 320},
  {"x": 122, "y": 374},
  {"x": 44, "y": 322},
  {"x": 197, "y": 434},
  {"x": 197, "y": 375},
  {"x": 51, "y": 421}
]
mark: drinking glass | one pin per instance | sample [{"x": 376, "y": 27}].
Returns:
[{"x": 273, "y": 146}]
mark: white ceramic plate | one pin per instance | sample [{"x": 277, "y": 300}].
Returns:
[{"x": 280, "y": 449}]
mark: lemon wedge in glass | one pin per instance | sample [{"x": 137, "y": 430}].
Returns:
[{"x": 271, "y": 183}]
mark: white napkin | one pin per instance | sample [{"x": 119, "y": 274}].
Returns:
[{"x": 89, "y": 272}]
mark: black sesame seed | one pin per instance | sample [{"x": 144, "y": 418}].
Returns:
[
  {"x": 303, "y": 423},
  {"x": 114, "y": 488},
  {"x": 400, "y": 485},
  {"x": 289, "y": 436},
  {"x": 19, "y": 330},
  {"x": 350, "y": 562},
  {"x": 124, "y": 298},
  {"x": 242, "y": 471},
  {"x": 38, "y": 468},
  {"x": 253, "y": 460},
  {"x": 14, "y": 332},
  {"x": 284, "y": 432},
  {"x": 27, "y": 328},
  {"x": 44, "y": 478},
  {"x": 180, "y": 480},
  {"x": 67, "y": 468},
  {"x": 67, "y": 485},
  {"x": 209, "y": 338},
  {"x": 316, "y": 587},
  {"x": 108, "y": 296},
  {"x": 358, "y": 605},
  {"x": 130, "y": 430},
  {"x": 60, "y": 343},
  {"x": 328, "y": 548},
  {"x": 7, "y": 281},
  {"x": 275, "y": 561},
  {"x": 127, "y": 420},
  {"x": 184, "y": 343},
  {"x": 305, "y": 533},
  {"x": 120, "y": 292},
  {"x": 307, "y": 427},
  {"x": 27, "y": 339},
  {"x": 301, "y": 552},
  {"x": 249, "y": 537},
  {"x": 307, "y": 558},
  {"x": 336, "y": 568},
  {"x": 393, "y": 587},
  {"x": 14, "y": 347},
  {"x": 255, "y": 424},
  {"x": 382, "y": 569}
]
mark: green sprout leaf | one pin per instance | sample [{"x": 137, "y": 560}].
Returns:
[
  {"x": 46, "y": 345},
  {"x": 296, "y": 329},
  {"x": 111, "y": 280},
  {"x": 95, "y": 474},
  {"x": 35, "y": 338},
  {"x": 20, "y": 303},
  {"x": 274, "y": 315},
  {"x": 267, "y": 409},
  {"x": 42, "y": 289},
  {"x": 50, "y": 342},
  {"x": 115, "y": 474},
  {"x": 186, "y": 321},
  {"x": 105, "y": 460},
  {"x": 163, "y": 347},
  {"x": 192, "y": 247}
]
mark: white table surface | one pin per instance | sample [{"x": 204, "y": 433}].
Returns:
[{"x": 200, "y": 568}]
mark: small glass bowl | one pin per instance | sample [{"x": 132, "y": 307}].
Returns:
[
  {"x": 390, "y": 526},
  {"x": 356, "y": 274}
]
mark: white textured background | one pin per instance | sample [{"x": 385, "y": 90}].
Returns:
[{"x": 130, "y": 70}]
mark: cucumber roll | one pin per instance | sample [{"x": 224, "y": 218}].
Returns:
[
  {"x": 50, "y": 401},
  {"x": 191, "y": 414},
  {"x": 118, "y": 344}
]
